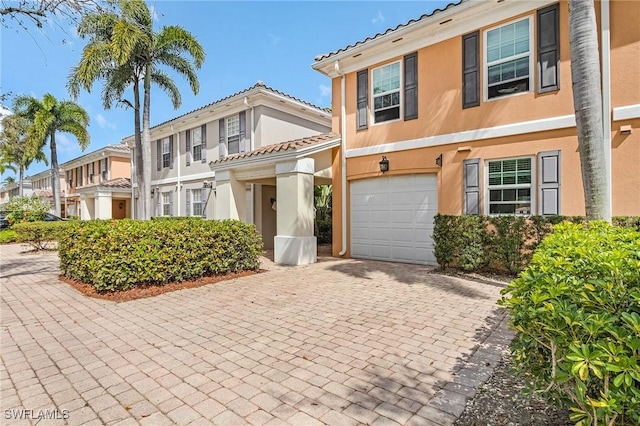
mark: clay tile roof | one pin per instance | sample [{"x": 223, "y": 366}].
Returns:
[
  {"x": 283, "y": 146},
  {"x": 117, "y": 183},
  {"x": 387, "y": 31},
  {"x": 44, "y": 193}
]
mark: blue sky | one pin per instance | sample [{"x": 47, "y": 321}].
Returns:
[{"x": 245, "y": 42}]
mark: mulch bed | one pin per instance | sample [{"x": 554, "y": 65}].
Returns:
[{"x": 152, "y": 290}]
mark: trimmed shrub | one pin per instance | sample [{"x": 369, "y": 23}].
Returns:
[
  {"x": 7, "y": 236},
  {"x": 576, "y": 311},
  {"x": 40, "y": 235},
  {"x": 500, "y": 243},
  {"x": 119, "y": 255}
]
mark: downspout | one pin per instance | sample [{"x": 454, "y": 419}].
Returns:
[
  {"x": 343, "y": 158},
  {"x": 605, "y": 39},
  {"x": 251, "y": 148},
  {"x": 178, "y": 183}
]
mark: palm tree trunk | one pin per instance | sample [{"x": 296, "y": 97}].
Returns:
[
  {"x": 55, "y": 175},
  {"x": 146, "y": 139},
  {"x": 21, "y": 182},
  {"x": 587, "y": 101},
  {"x": 140, "y": 159}
]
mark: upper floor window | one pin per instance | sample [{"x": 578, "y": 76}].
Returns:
[
  {"x": 79, "y": 176},
  {"x": 196, "y": 144},
  {"x": 166, "y": 152},
  {"x": 104, "y": 170},
  {"x": 509, "y": 186},
  {"x": 91, "y": 171},
  {"x": 233, "y": 134},
  {"x": 385, "y": 87},
  {"x": 508, "y": 59}
]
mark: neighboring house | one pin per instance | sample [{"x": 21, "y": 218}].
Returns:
[
  {"x": 471, "y": 110},
  {"x": 12, "y": 189},
  {"x": 235, "y": 157},
  {"x": 97, "y": 185},
  {"x": 41, "y": 187}
]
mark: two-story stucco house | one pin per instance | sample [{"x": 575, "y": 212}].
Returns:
[
  {"x": 10, "y": 190},
  {"x": 247, "y": 156},
  {"x": 41, "y": 186},
  {"x": 97, "y": 185},
  {"x": 470, "y": 109}
]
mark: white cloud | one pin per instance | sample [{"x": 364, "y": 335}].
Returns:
[
  {"x": 324, "y": 90},
  {"x": 104, "y": 123},
  {"x": 378, "y": 18},
  {"x": 274, "y": 38}
]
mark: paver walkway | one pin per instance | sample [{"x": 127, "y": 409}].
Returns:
[{"x": 340, "y": 342}]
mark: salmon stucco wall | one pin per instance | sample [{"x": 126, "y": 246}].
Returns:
[{"x": 120, "y": 167}]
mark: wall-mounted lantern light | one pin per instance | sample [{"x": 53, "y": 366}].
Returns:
[
  {"x": 439, "y": 160},
  {"x": 153, "y": 191},
  {"x": 120, "y": 205},
  {"x": 384, "y": 164},
  {"x": 274, "y": 204}
]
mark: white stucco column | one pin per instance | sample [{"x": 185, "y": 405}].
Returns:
[
  {"x": 295, "y": 243},
  {"x": 231, "y": 197},
  {"x": 87, "y": 207},
  {"x": 103, "y": 209}
]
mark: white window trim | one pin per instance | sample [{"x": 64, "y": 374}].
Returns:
[
  {"x": 193, "y": 203},
  {"x": 485, "y": 69},
  {"x": 533, "y": 185},
  {"x": 372, "y": 112},
  {"x": 192, "y": 157},
  {"x": 168, "y": 140},
  {"x": 162, "y": 203},
  {"x": 228, "y": 135}
]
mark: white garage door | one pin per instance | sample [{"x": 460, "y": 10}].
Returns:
[{"x": 392, "y": 218}]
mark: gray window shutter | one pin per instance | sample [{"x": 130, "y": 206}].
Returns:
[
  {"x": 203, "y": 148},
  {"x": 549, "y": 183},
  {"x": 171, "y": 152},
  {"x": 411, "y": 86},
  {"x": 471, "y": 186},
  {"x": 204, "y": 194},
  {"x": 471, "y": 70},
  {"x": 170, "y": 203},
  {"x": 222, "y": 142},
  {"x": 548, "y": 49},
  {"x": 363, "y": 97},
  {"x": 242, "y": 118},
  {"x": 187, "y": 196},
  {"x": 187, "y": 142},
  {"x": 159, "y": 154}
]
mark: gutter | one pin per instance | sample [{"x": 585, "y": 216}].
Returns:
[
  {"x": 251, "y": 148},
  {"x": 343, "y": 157}
]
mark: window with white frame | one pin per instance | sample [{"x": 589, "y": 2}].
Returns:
[
  {"x": 233, "y": 134},
  {"x": 166, "y": 204},
  {"x": 385, "y": 87},
  {"x": 196, "y": 202},
  {"x": 104, "y": 169},
  {"x": 196, "y": 144},
  {"x": 166, "y": 152},
  {"x": 509, "y": 186},
  {"x": 508, "y": 59}
]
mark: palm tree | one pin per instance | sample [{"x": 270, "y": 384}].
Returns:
[
  {"x": 49, "y": 116},
  {"x": 124, "y": 51},
  {"x": 5, "y": 163},
  {"x": 17, "y": 148},
  {"x": 587, "y": 101}
]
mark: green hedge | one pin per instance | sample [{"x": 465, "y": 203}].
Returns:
[
  {"x": 576, "y": 311},
  {"x": 503, "y": 243},
  {"x": 7, "y": 236},
  {"x": 40, "y": 235},
  {"x": 119, "y": 255}
]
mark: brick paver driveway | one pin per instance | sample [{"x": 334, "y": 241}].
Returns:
[{"x": 340, "y": 342}]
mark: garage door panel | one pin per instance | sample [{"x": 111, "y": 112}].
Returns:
[{"x": 392, "y": 218}]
